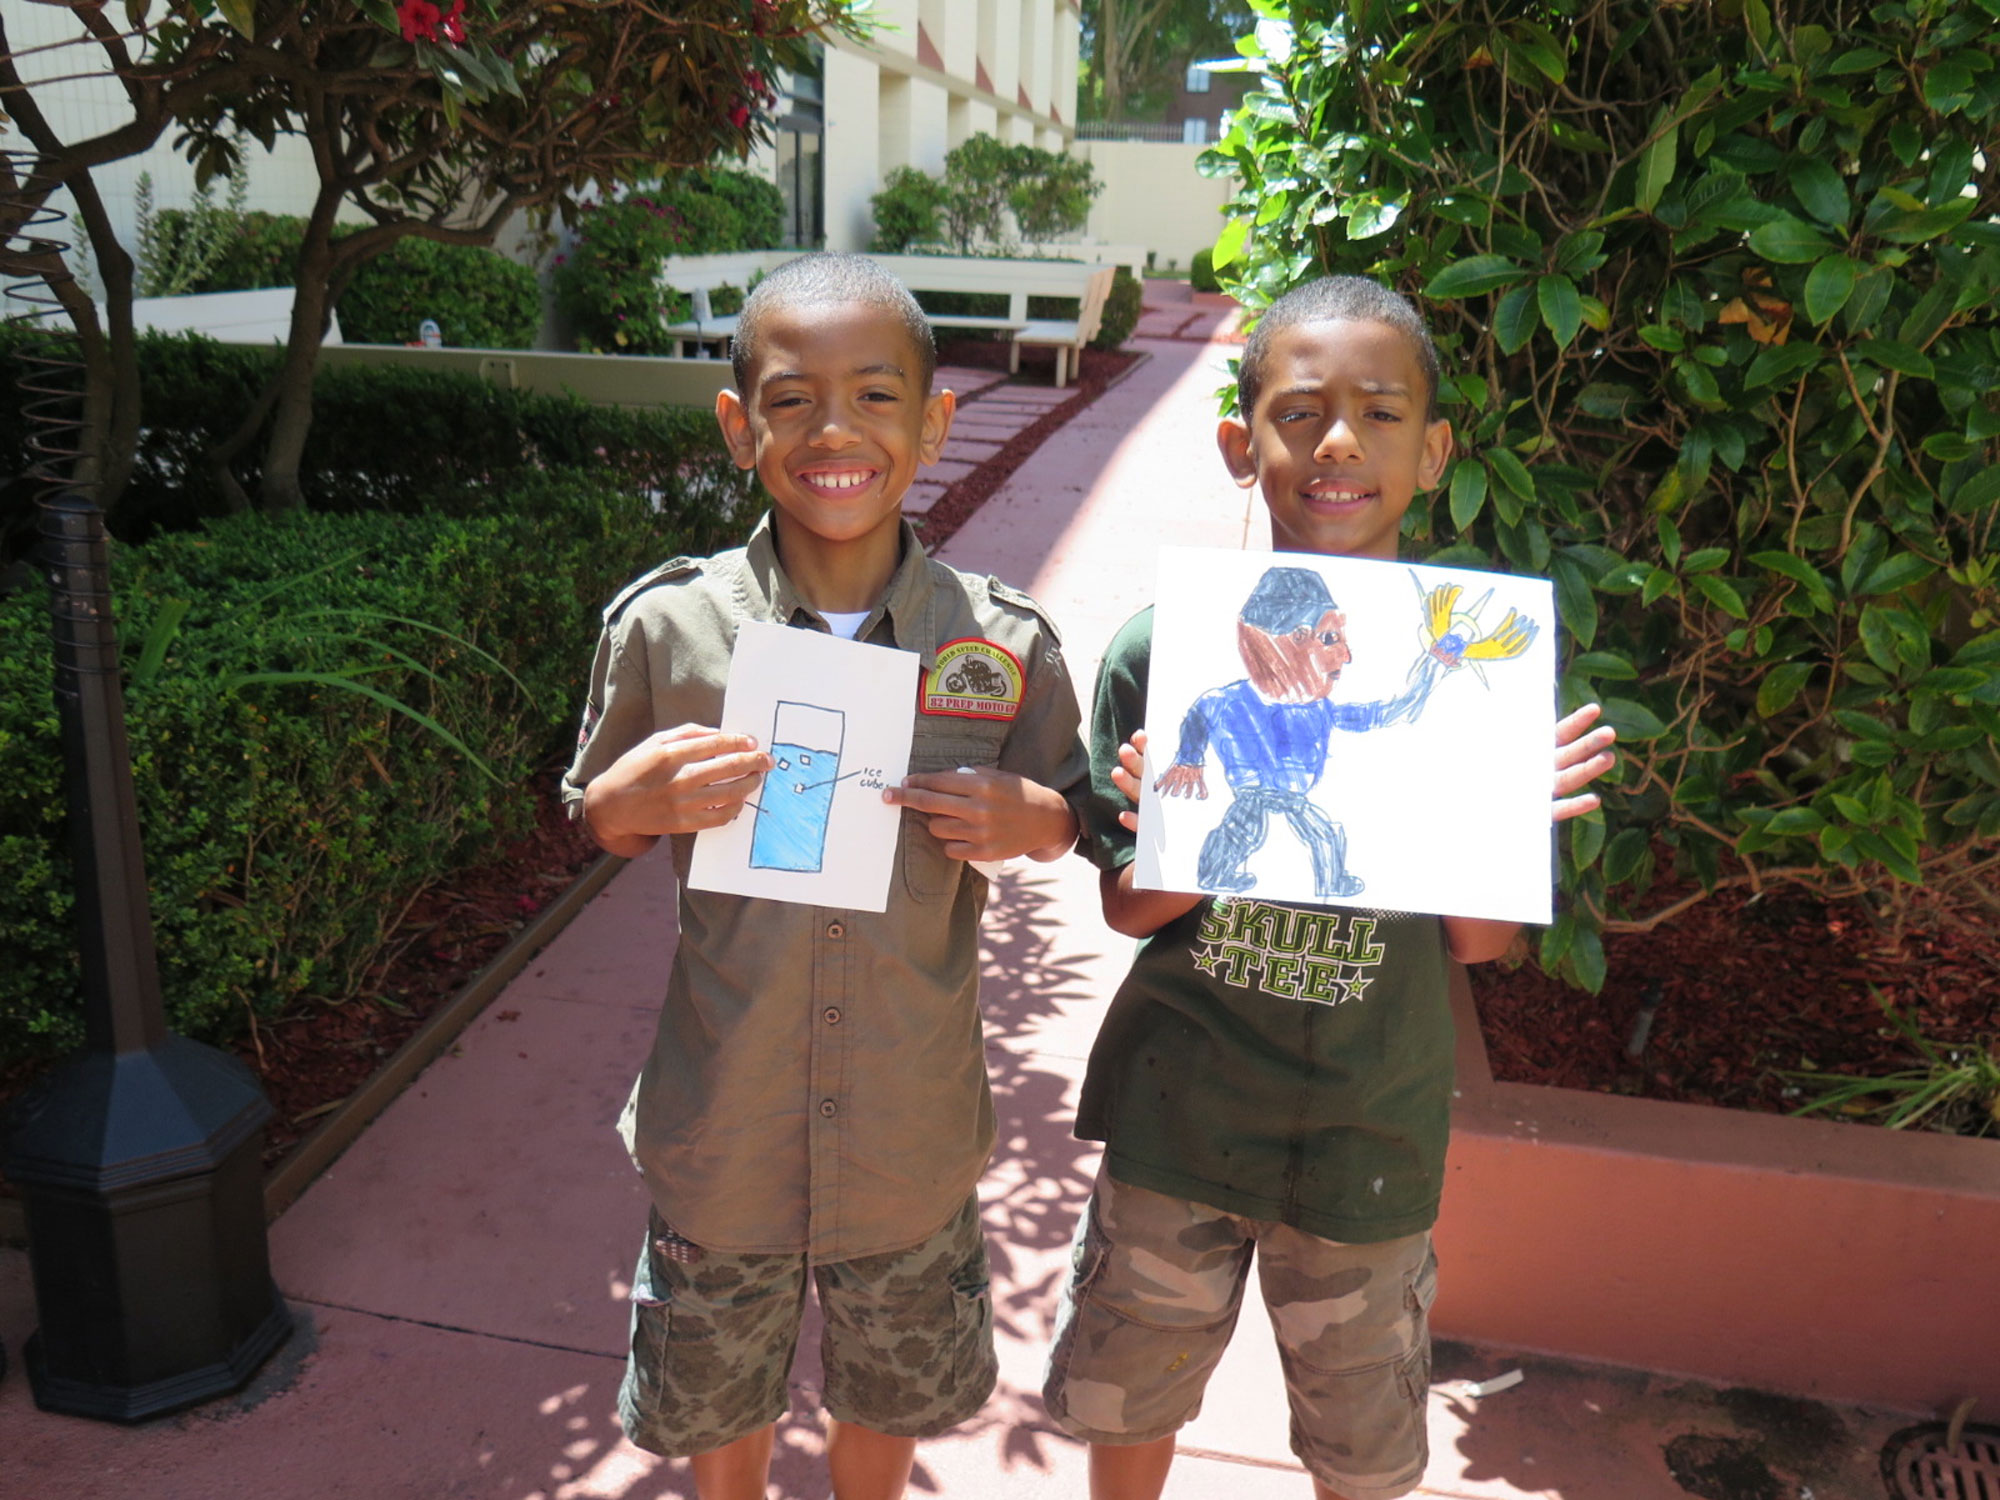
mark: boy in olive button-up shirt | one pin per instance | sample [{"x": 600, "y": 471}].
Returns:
[{"x": 816, "y": 1103}]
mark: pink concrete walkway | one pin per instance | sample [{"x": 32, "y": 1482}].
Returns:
[{"x": 460, "y": 1274}]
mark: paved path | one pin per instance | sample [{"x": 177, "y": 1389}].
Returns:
[{"x": 460, "y": 1273}]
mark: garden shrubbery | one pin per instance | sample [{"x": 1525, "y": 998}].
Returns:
[
  {"x": 607, "y": 282},
  {"x": 292, "y": 801},
  {"x": 480, "y": 298},
  {"x": 1716, "y": 289}
]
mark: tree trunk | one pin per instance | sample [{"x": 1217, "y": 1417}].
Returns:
[
  {"x": 1109, "y": 63},
  {"x": 313, "y": 297}
]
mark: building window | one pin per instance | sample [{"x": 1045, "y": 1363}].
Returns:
[
  {"x": 801, "y": 130},
  {"x": 1197, "y": 79}
]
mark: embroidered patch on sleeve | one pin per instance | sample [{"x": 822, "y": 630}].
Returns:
[
  {"x": 973, "y": 679},
  {"x": 589, "y": 723}
]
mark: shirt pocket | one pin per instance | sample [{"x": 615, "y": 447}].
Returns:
[{"x": 928, "y": 872}]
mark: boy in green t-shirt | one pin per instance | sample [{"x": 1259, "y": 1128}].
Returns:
[{"x": 1275, "y": 1079}]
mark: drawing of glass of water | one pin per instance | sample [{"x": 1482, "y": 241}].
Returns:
[{"x": 797, "y": 800}]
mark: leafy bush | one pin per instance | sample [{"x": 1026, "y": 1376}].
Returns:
[
  {"x": 387, "y": 438},
  {"x": 1050, "y": 193},
  {"x": 480, "y": 298},
  {"x": 1716, "y": 287},
  {"x": 607, "y": 282},
  {"x": 1201, "y": 272},
  {"x": 907, "y": 211},
  {"x": 287, "y": 814},
  {"x": 1052, "y": 199},
  {"x": 1121, "y": 311}
]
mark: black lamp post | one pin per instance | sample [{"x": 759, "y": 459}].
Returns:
[{"x": 139, "y": 1159}]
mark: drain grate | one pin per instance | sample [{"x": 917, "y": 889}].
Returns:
[{"x": 1916, "y": 1465}]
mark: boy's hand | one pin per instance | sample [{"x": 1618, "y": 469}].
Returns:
[
  {"x": 676, "y": 781},
  {"x": 1580, "y": 759},
  {"x": 988, "y": 814}
]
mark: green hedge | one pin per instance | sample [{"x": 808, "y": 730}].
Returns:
[
  {"x": 385, "y": 438},
  {"x": 1718, "y": 292},
  {"x": 286, "y": 823},
  {"x": 480, "y": 298}
]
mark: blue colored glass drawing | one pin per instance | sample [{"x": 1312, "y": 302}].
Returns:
[{"x": 797, "y": 800}]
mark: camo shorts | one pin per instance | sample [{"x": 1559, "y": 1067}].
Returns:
[
  {"x": 907, "y": 1347},
  {"x": 1154, "y": 1290}
]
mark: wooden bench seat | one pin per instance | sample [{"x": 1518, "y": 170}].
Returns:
[{"x": 1088, "y": 285}]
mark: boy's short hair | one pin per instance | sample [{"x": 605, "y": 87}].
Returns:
[
  {"x": 1335, "y": 299},
  {"x": 826, "y": 278}
]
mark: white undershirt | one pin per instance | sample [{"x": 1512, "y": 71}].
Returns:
[{"x": 845, "y": 626}]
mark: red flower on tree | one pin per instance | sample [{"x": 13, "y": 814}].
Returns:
[
  {"x": 453, "y": 24},
  {"x": 420, "y": 20},
  {"x": 740, "y": 115}
]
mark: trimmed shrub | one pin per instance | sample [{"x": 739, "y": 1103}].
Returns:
[
  {"x": 907, "y": 211},
  {"x": 607, "y": 282},
  {"x": 1121, "y": 311},
  {"x": 1201, "y": 271},
  {"x": 480, "y": 298},
  {"x": 288, "y": 815},
  {"x": 1716, "y": 291}
]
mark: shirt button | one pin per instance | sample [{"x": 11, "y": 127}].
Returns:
[
  {"x": 828, "y": 1108},
  {"x": 832, "y": 1015},
  {"x": 835, "y": 930}
]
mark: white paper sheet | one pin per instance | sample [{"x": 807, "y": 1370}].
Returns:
[
  {"x": 838, "y": 716},
  {"x": 1444, "y": 807}
]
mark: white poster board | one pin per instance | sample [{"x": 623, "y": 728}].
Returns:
[
  {"x": 837, "y": 715},
  {"x": 1397, "y": 756}
]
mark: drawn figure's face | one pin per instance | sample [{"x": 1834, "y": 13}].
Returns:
[
  {"x": 1338, "y": 444},
  {"x": 835, "y": 421},
  {"x": 1300, "y": 667}
]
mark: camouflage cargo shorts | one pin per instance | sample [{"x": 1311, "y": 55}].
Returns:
[
  {"x": 907, "y": 1346},
  {"x": 1154, "y": 1290}
]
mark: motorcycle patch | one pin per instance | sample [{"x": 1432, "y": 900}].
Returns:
[{"x": 973, "y": 679}]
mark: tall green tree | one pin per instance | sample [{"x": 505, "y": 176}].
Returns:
[
  {"x": 438, "y": 121},
  {"x": 1135, "y": 51},
  {"x": 1717, "y": 285}
]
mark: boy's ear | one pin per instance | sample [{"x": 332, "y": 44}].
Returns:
[
  {"x": 1232, "y": 436},
  {"x": 938, "y": 410},
  {"x": 1437, "y": 453},
  {"x": 734, "y": 419}
]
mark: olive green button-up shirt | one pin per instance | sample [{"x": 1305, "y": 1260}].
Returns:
[{"x": 818, "y": 1079}]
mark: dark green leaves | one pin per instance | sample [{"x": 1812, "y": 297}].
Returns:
[
  {"x": 1470, "y": 277},
  {"x": 1828, "y": 286},
  {"x": 1562, "y": 309},
  {"x": 1789, "y": 241}
]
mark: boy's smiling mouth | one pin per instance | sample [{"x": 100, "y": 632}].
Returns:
[
  {"x": 1332, "y": 494},
  {"x": 837, "y": 481}
]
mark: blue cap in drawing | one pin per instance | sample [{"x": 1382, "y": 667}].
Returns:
[{"x": 1286, "y": 599}]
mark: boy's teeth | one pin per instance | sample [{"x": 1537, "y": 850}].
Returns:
[{"x": 840, "y": 481}]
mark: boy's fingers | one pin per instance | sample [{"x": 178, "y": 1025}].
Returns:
[
  {"x": 915, "y": 792},
  {"x": 1572, "y": 725},
  {"x": 1583, "y": 773},
  {"x": 1575, "y": 807},
  {"x": 719, "y": 770}
]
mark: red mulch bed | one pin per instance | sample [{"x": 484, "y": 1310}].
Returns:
[
  {"x": 1746, "y": 989},
  {"x": 956, "y": 506}
]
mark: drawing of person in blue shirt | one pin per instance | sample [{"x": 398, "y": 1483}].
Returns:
[{"x": 1272, "y": 731}]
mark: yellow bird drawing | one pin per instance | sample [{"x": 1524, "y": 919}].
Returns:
[{"x": 1451, "y": 636}]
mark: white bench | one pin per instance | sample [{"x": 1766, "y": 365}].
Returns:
[
  {"x": 1016, "y": 280},
  {"x": 259, "y": 317}
]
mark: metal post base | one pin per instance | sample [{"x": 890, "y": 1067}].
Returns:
[{"x": 157, "y": 1398}]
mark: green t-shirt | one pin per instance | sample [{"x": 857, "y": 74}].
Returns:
[{"x": 1271, "y": 1060}]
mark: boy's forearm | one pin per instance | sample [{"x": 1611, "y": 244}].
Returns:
[
  {"x": 1476, "y": 940},
  {"x": 1136, "y": 913}
]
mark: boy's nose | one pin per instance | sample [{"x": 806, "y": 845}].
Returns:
[
  {"x": 835, "y": 433},
  {"x": 1340, "y": 441}
]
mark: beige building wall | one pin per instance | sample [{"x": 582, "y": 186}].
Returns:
[
  {"x": 933, "y": 74},
  {"x": 1153, "y": 196}
]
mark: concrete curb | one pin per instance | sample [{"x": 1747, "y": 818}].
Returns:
[{"x": 313, "y": 1155}]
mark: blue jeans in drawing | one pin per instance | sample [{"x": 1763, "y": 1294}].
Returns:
[{"x": 1241, "y": 833}]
